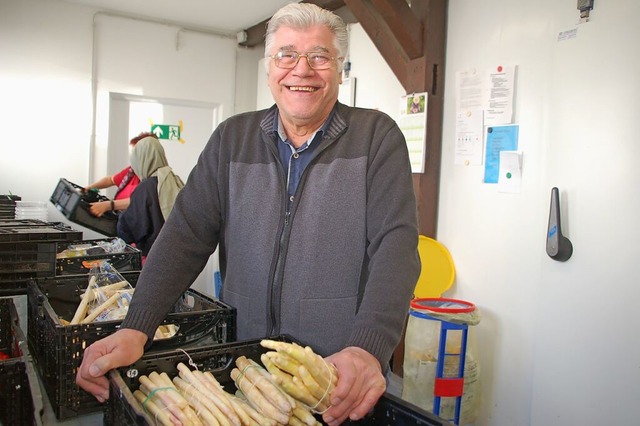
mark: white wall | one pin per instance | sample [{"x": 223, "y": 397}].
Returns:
[
  {"x": 376, "y": 85},
  {"x": 45, "y": 62},
  {"x": 557, "y": 340}
]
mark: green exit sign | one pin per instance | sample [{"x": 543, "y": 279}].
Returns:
[{"x": 166, "y": 131}]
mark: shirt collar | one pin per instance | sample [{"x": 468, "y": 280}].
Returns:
[{"x": 278, "y": 128}]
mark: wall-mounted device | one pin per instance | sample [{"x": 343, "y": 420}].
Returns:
[
  {"x": 558, "y": 246},
  {"x": 585, "y": 7}
]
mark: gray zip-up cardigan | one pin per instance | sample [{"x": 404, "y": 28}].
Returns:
[{"x": 338, "y": 270}]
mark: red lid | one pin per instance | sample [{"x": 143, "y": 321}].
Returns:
[{"x": 443, "y": 304}]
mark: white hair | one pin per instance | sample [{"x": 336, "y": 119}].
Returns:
[{"x": 305, "y": 15}]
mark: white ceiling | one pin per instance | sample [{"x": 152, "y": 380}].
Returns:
[{"x": 224, "y": 16}]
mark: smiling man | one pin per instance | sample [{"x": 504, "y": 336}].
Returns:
[{"x": 311, "y": 204}]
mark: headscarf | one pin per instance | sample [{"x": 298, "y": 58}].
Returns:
[{"x": 148, "y": 159}]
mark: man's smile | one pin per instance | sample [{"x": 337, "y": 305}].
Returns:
[{"x": 302, "y": 88}]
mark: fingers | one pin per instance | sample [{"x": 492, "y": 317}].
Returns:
[
  {"x": 360, "y": 385},
  {"x": 369, "y": 400},
  {"x": 97, "y": 208},
  {"x": 90, "y": 379},
  {"x": 119, "y": 349},
  {"x": 98, "y": 386}
]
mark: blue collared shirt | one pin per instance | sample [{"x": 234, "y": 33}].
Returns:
[{"x": 293, "y": 160}]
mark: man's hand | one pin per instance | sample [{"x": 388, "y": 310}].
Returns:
[
  {"x": 360, "y": 385},
  {"x": 122, "y": 348}
]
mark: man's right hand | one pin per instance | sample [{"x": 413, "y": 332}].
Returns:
[{"x": 122, "y": 348}]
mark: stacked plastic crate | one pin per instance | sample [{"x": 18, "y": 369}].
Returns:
[
  {"x": 8, "y": 206},
  {"x": 17, "y": 403},
  {"x": 57, "y": 346},
  {"x": 28, "y": 250}
]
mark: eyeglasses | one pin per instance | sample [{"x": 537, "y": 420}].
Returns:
[{"x": 288, "y": 59}]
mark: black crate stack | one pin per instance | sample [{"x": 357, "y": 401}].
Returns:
[
  {"x": 8, "y": 206},
  {"x": 28, "y": 250},
  {"x": 17, "y": 404},
  {"x": 57, "y": 346}
]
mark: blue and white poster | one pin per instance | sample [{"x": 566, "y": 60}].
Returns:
[{"x": 499, "y": 138}]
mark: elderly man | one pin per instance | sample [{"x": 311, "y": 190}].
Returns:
[{"x": 311, "y": 203}]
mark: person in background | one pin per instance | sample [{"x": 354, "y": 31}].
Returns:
[
  {"x": 125, "y": 180},
  {"x": 153, "y": 198},
  {"x": 312, "y": 207}
]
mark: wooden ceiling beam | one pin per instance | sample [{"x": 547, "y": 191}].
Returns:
[
  {"x": 404, "y": 25},
  {"x": 255, "y": 34},
  {"x": 378, "y": 31}
]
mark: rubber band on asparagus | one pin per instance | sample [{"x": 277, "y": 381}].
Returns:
[
  {"x": 152, "y": 393},
  {"x": 242, "y": 374},
  {"x": 326, "y": 391}
]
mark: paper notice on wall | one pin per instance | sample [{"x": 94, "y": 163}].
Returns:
[
  {"x": 499, "y": 138},
  {"x": 469, "y": 90},
  {"x": 510, "y": 175},
  {"x": 469, "y": 140},
  {"x": 413, "y": 124},
  {"x": 499, "y": 96}
]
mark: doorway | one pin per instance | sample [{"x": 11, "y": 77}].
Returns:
[{"x": 130, "y": 115}]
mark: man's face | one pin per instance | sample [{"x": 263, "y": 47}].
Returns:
[{"x": 305, "y": 96}]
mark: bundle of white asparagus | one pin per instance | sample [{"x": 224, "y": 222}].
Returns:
[
  {"x": 195, "y": 398},
  {"x": 301, "y": 373},
  {"x": 295, "y": 384}
]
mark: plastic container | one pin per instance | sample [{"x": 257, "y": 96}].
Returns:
[
  {"x": 441, "y": 371},
  {"x": 71, "y": 200},
  {"x": 124, "y": 410},
  {"x": 31, "y": 210},
  {"x": 77, "y": 257},
  {"x": 28, "y": 250},
  {"x": 13, "y": 222},
  {"x": 17, "y": 402},
  {"x": 57, "y": 348},
  {"x": 8, "y": 206}
]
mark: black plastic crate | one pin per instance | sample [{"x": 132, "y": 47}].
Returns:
[
  {"x": 16, "y": 399},
  {"x": 73, "y": 202},
  {"x": 129, "y": 259},
  {"x": 124, "y": 410},
  {"x": 13, "y": 222},
  {"x": 40, "y": 232},
  {"x": 57, "y": 348},
  {"x": 9, "y": 199},
  {"x": 8, "y": 206},
  {"x": 28, "y": 251}
]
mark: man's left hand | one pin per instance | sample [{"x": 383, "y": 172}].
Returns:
[{"x": 360, "y": 385}]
